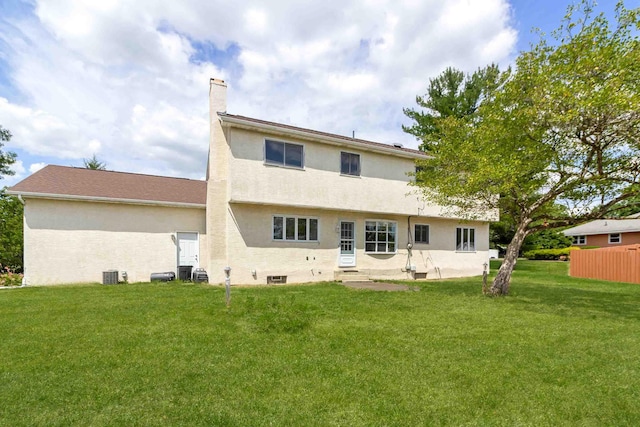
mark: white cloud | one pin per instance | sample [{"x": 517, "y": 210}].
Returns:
[
  {"x": 19, "y": 173},
  {"x": 42, "y": 133},
  {"x": 18, "y": 168},
  {"x": 255, "y": 21},
  {"x": 119, "y": 79},
  {"x": 35, "y": 167}
]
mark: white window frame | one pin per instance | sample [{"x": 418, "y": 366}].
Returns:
[
  {"x": 579, "y": 240},
  {"x": 296, "y": 219},
  {"x": 618, "y": 240},
  {"x": 415, "y": 236},
  {"x": 470, "y": 245},
  {"x": 359, "y": 171},
  {"x": 284, "y": 160},
  {"x": 376, "y": 242}
]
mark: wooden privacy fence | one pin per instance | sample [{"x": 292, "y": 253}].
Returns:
[{"x": 618, "y": 264}]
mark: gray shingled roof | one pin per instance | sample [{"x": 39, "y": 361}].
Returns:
[
  {"x": 81, "y": 183},
  {"x": 604, "y": 226}
]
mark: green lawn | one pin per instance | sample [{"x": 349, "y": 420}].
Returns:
[{"x": 557, "y": 351}]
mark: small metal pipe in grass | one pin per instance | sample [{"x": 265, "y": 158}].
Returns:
[
  {"x": 409, "y": 244},
  {"x": 227, "y": 284},
  {"x": 485, "y": 276}
]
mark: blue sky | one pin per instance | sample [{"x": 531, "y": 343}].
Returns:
[{"x": 128, "y": 81}]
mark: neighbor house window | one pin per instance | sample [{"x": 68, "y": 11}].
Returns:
[
  {"x": 350, "y": 164},
  {"x": 283, "y": 154},
  {"x": 421, "y": 233},
  {"x": 380, "y": 236},
  {"x": 465, "y": 239},
  {"x": 579, "y": 240},
  {"x": 295, "y": 229},
  {"x": 615, "y": 238}
]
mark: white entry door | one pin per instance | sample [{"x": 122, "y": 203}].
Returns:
[
  {"x": 347, "y": 256},
  {"x": 188, "y": 249}
]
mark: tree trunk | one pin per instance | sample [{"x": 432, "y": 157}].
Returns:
[{"x": 502, "y": 281}]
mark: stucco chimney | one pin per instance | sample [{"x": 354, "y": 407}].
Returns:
[
  {"x": 217, "y": 177},
  {"x": 217, "y": 96}
]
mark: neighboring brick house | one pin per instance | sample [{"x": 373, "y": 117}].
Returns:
[
  {"x": 280, "y": 203},
  {"x": 606, "y": 232}
]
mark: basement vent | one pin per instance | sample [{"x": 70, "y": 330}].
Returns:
[
  {"x": 419, "y": 276},
  {"x": 276, "y": 279}
]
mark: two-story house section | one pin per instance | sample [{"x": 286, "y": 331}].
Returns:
[
  {"x": 279, "y": 204},
  {"x": 297, "y": 205}
]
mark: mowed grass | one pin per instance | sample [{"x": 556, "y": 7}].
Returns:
[{"x": 557, "y": 351}]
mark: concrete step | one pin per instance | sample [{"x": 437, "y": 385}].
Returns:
[{"x": 351, "y": 276}]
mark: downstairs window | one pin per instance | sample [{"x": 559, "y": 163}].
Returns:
[
  {"x": 380, "y": 237},
  {"x": 465, "y": 239},
  {"x": 295, "y": 229}
]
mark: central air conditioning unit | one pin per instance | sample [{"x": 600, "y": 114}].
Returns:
[{"x": 110, "y": 277}]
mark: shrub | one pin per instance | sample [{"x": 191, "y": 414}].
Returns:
[
  {"x": 9, "y": 278},
  {"x": 546, "y": 239},
  {"x": 550, "y": 254}
]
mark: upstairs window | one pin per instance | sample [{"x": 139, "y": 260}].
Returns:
[
  {"x": 615, "y": 238},
  {"x": 283, "y": 154},
  {"x": 579, "y": 240},
  {"x": 416, "y": 176},
  {"x": 465, "y": 239},
  {"x": 350, "y": 164},
  {"x": 421, "y": 233}
]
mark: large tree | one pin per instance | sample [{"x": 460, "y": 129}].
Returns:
[
  {"x": 11, "y": 231},
  {"x": 10, "y": 213},
  {"x": 562, "y": 128},
  {"x": 451, "y": 94},
  {"x": 6, "y": 158}
]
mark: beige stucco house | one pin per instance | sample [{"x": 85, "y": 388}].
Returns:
[
  {"x": 79, "y": 223},
  {"x": 279, "y": 204}
]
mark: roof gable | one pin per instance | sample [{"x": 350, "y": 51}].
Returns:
[{"x": 80, "y": 183}]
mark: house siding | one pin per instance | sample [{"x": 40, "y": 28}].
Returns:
[
  {"x": 602, "y": 240},
  {"x": 252, "y": 249},
  {"x": 381, "y": 187},
  {"x": 74, "y": 242}
]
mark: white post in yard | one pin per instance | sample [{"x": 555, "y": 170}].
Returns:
[{"x": 227, "y": 284}]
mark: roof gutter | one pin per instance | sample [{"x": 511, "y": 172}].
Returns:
[
  {"x": 344, "y": 141},
  {"x": 596, "y": 233},
  {"x": 97, "y": 199}
]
